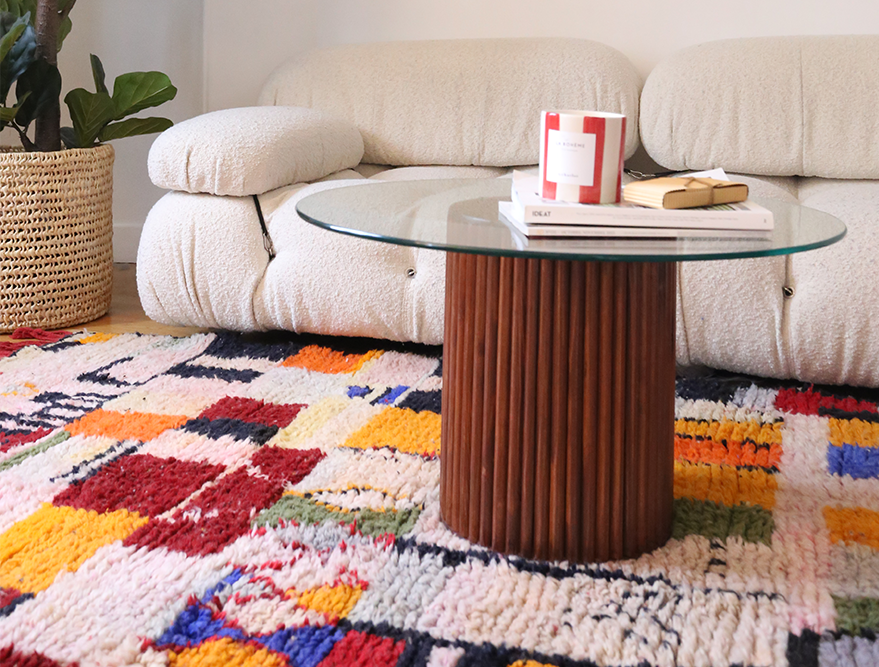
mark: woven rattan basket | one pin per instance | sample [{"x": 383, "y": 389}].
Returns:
[{"x": 56, "y": 237}]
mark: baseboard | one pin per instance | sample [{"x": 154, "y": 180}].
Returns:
[{"x": 126, "y": 236}]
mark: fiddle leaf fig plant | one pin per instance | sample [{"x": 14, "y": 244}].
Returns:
[{"x": 31, "y": 34}]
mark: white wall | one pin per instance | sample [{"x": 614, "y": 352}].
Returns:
[
  {"x": 243, "y": 44},
  {"x": 137, "y": 35}
]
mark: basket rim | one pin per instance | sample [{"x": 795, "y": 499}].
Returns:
[{"x": 6, "y": 150}]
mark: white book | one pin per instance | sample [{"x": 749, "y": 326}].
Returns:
[
  {"x": 531, "y": 209},
  {"x": 507, "y": 215}
]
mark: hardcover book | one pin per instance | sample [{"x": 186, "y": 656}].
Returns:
[
  {"x": 684, "y": 192},
  {"x": 508, "y": 216}
]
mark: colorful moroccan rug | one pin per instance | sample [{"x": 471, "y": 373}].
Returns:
[{"x": 231, "y": 500}]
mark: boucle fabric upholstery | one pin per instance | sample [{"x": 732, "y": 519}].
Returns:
[
  {"x": 252, "y": 150},
  {"x": 458, "y": 102},
  {"x": 200, "y": 260},
  {"x": 783, "y": 106},
  {"x": 732, "y": 313},
  {"x": 362, "y": 288},
  {"x": 832, "y": 319}
]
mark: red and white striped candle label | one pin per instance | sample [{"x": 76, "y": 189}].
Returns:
[{"x": 581, "y": 156}]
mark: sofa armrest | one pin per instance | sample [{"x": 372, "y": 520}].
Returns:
[{"x": 251, "y": 150}]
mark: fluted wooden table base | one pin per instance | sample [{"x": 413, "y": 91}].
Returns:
[{"x": 558, "y": 406}]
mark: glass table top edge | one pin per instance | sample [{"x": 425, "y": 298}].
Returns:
[{"x": 658, "y": 249}]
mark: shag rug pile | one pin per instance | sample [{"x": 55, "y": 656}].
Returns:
[{"x": 231, "y": 500}]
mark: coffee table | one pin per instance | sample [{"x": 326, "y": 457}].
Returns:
[{"x": 558, "y": 363}]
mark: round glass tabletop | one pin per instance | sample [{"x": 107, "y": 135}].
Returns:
[{"x": 461, "y": 215}]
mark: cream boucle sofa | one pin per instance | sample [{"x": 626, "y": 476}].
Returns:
[{"x": 797, "y": 115}]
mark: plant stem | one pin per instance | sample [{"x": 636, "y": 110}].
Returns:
[
  {"x": 48, "y": 124},
  {"x": 22, "y": 134}
]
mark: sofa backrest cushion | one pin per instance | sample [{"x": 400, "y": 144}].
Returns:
[
  {"x": 458, "y": 102},
  {"x": 252, "y": 150},
  {"x": 785, "y": 106}
]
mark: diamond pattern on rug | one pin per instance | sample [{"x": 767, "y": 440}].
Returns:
[{"x": 274, "y": 500}]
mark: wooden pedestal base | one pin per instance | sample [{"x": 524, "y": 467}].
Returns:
[{"x": 558, "y": 406}]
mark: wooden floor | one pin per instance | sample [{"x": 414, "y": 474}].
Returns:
[{"x": 126, "y": 314}]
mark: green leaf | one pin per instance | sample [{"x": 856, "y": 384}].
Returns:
[
  {"x": 68, "y": 136},
  {"x": 19, "y": 7},
  {"x": 20, "y": 44},
  {"x": 133, "y": 127},
  {"x": 90, "y": 112},
  {"x": 38, "y": 89},
  {"x": 10, "y": 36},
  {"x": 136, "y": 91},
  {"x": 98, "y": 74},
  {"x": 64, "y": 29},
  {"x": 7, "y": 115}
]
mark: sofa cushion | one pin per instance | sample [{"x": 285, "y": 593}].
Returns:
[
  {"x": 833, "y": 312},
  {"x": 200, "y": 260},
  {"x": 783, "y": 106},
  {"x": 330, "y": 283},
  {"x": 458, "y": 102},
  {"x": 731, "y": 313},
  {"x": 252, "y": 150}
]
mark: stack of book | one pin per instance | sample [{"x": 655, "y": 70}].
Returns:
[{"x": 530, "y": 215}]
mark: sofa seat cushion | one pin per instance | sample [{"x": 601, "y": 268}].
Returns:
[
  {"x": 196, "y": 266},
  {"x": 249, "y": 151},
  {"x": 325, "y": 282},
  {"x": 200, "y": 260},
  {"x": 833, "y": 312},
  {"x": 731, "y": 312},
  {"x": 735, "y": 314}
]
